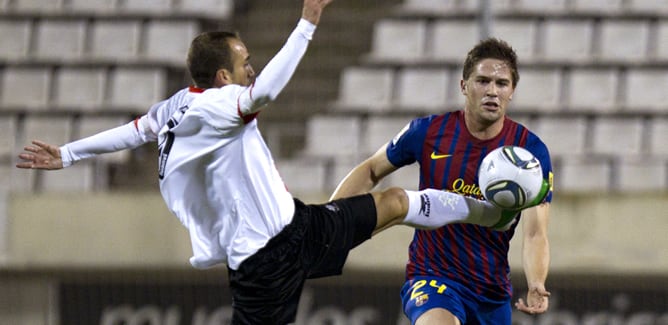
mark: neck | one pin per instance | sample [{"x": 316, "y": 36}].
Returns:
[{"x": 483, "y": 130}]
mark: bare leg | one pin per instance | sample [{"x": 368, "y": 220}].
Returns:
[{"x": 437, "y": 316}]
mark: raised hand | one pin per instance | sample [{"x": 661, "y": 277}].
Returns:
[
  {"x": 313, "y": 9},
  {"x": 40, "y": 155}
]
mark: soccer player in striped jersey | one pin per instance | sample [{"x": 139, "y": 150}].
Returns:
[
  {"x": 218, "y": 177},
  {"x": 459, "y": 274}
]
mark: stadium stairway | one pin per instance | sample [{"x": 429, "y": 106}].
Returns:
[{"x": 345, "y": 34}]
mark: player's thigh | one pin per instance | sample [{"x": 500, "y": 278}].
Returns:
[
  {"x": 437, "y": 316},
  {"x": 427, "y": 300}
]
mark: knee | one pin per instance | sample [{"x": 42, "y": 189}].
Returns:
[{"x": 396, "y": 200}]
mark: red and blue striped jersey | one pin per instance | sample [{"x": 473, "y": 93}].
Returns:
[{"x": 449, "y": 156}]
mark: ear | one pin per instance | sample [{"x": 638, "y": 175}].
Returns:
[
  {"x": 223, "y": 78},
  {"x": 462, "y": 86}
]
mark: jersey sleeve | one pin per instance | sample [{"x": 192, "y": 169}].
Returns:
[
  {"x": 405, "y": 146},
  {"x": 128, "y": 136},
  {"x": 119, "y": 138},
  {"x": 276, "y": 74},
  {"x": 538, "y": 148}
]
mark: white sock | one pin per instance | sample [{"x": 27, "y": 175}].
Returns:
[{"x": 432, "y": 209}]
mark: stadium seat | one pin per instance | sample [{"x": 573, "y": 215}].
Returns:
[
  {"x": 525, "y": 119},
  {"x": 617, "y": 136},
  {"x": 145, "y": 6},
  {"x": 79, "y": 177},
  {"x": 593, "y": 89},
  {"x": 597, "y": 6},
  {"x": 642, "y": 174},
  {"x": 5, "y": 182},
  {"x": 452, "y": 39},
  {"x": 407, "y": 177},
  {"x": 14, "y": 38},
  {"x": 541, "y": 5},
  {"x": 293, "y": 170},
  {"x": 662, "y": 47},
  {"x": 8, "y": 129},
  {"x": 90, "y": 125},
  {"x": 115, "y": 39},
  {"x": 584, "y": 174},
  {"x": 338, "y": 170},
  {"x": 329, "y": 136},
  {"x": 658, "y": 136},
  {"x": 567, "y": 40},
  {"x": 647, "y": 6},
  {"x": 168, "y": 41},
  {"x": 46, "y": 6},
  {"x": 520, "y": 34},
  {"x": 60, "y": 39},
  {"x": 430, "y": 5},
  {"x": 17, "y": 180},
  {"x": 51, "y": 129},
  {"x": 551, "y": 129},
  {"x": 93, "y": 6},
  {"x": 80, "y": 88},
  {"x": 136, "y": 88},
  {"x": 423, "y": 88},
  {"x": 366, "y": 88},
  {"x": 625, "y": 40},
  {"x": 646, "y": 89},
  {"x": 214, "y": 9},
  {"x": 399, "y": 40},
  {"x": 538, "y": 90},
  {"x": 380, "y": 130},
  {"x": 25, "y": 87}
]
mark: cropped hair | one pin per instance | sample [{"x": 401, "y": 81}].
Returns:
[
  {"x": 209, "y": 52},
  {"x": 492, "y": 48}
]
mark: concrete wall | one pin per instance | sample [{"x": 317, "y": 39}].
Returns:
[
  {"x": 590, "y": 233},
  {"x": 64, "y": 237}
]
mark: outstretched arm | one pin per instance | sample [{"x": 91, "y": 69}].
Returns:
[
  {"x": 41, "y": 155},
  {"x": 536, "y": 259}
]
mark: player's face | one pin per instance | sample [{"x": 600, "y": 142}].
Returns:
[
  {"x": 243, "y": 73},
  {"x": 488, "y": 90}
]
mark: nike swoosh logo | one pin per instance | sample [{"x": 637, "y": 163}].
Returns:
[{"x": 436, "y": 156}]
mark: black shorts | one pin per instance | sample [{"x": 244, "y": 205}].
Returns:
[{"x": 267, "y": 286}]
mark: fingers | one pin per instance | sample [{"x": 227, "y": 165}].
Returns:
[
  {"x": 537, "y": 307},
  {"x": 32, "y": 149},
  {"x": 25, "y": 165}
]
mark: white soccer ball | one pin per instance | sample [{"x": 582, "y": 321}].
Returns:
[{"x": 510, "y": 177}]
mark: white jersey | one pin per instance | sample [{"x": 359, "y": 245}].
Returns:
[
  {"x": 219, "y": 179},
  {"x": 216, "y": 173}
]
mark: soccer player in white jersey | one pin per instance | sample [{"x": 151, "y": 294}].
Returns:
[{"x": 218, "y": 177}]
